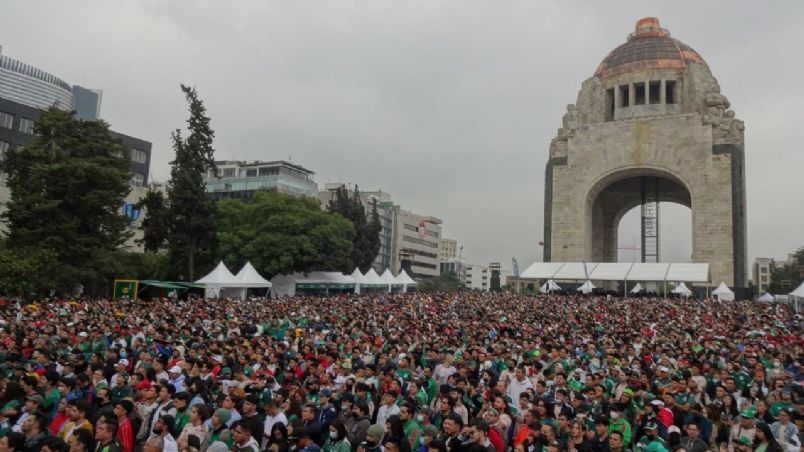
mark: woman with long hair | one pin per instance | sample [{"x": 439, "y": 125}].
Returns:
[
  {"x": 278, "y": 441},
  {"x": 336, "y": 441},
  {"x": 764, "y": 441},
  {"x": 395, "y": 431}
]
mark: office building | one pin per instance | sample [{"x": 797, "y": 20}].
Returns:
[
  {"x": 476, "y": 277},
  {"x": 449, "y": 249},
  {"x": 417, "y": 244},
  {"x": 240, "y": 180},
  {"x": 87, "y": 102}
]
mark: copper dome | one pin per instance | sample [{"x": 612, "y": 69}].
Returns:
[{"x": 649, "y": 47}]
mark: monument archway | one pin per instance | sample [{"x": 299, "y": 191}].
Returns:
[{"x": 650, "y": 126}]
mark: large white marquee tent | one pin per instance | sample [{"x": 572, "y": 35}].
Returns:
[{"x": 618, "y": 271}]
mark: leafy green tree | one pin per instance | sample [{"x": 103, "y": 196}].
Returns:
[
  {"x": 25, "y": 270},
  {"x": 786, "y": 278},
  {"x": 67, "y": 189},
  {"x": 366, "y": 244},
  {"x": 191, "y": 238},
  {"x": 130, "y": 265},
  {"x": 445, "y": 282},
  {"x": 279, "y": 233},
  {"x": 156, "y": 224}
]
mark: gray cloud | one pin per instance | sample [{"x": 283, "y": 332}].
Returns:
[{"x": 450, "y": 105}]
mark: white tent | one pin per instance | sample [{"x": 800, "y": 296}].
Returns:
[
  {"x": 372, "y": 279},
  {"x": 549, "y": 286},
  {"x": 767, "y": 297},
  {"x": 682, "y": 289},
  {"x": 798, "y": 296},
  {"x": 723, "y": 293},
  {"x": 388, "y": 278},
  {"x": 220, "y": 283},
  {"x": 290, "y": 284},
  {"x": 249, "y": 277},
  {"x": 587, "y": 287},
  {"x": 406, "y": 280},
  {"x": 360, "y": 279},
  {"x": 637, "y": 289}
]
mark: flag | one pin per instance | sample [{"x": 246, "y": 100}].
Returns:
[{"x": 516, "y": 267}]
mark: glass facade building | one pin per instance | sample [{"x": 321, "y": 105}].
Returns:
[{"x": 240, "y": 180}]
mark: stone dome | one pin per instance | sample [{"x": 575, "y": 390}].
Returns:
[{"x": 649, "y": 47}]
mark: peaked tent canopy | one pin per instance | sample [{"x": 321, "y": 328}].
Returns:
[
  {"x": 682, "y": 289},
  {"x": 373, "y": 279},
  {"x": 767, "y": 297},
  {"x": 549, "y": 286},
  {"x": 219, "y": 276},
  {"x": 405, "y": 280},
  {"x": 637, "y": 289},
  {"x": 360, "y": 279},
  {"x": 249, "y": 277},
  {"x": 723, "y": 293},
  {"x": 587, "y": 287},
  {"x": 799, "y": 292},
  {"x": 221, "y": 283},
  {"x": 289, "y": 284}
]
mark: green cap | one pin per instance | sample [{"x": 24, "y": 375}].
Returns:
[
  {"x": 748, "y": 413},
  {"x": 744, "y": 440},
  {"x": 656, "y": 446}
]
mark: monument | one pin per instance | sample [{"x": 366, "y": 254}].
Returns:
[{"x": 649, "y": 126}]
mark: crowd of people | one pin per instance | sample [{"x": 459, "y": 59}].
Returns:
[{"x": 463, "y": 372}]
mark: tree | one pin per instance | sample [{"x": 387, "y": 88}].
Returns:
[
  {"x": 366, "y": 244},
  {"x": 279, "y": 233},
  {"x": 67, "y": 189},
  {"x": 786, "y": 278},
  {"x": 156, "y": 224},
  {"x": 191, "y": 238},
  {"x": 445, "y": 282}
]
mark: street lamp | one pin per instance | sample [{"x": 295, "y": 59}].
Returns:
[{"x": 461, "y": 276}]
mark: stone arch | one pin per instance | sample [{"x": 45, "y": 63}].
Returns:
[{"x": 615, "y": 193}]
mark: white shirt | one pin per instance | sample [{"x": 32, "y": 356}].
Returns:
[
  {"x": 170, "y": 444},
  {"x": 385, "y": 412},
  {"x": 516, "y": 388},
  {"x": 271, "y": 420}
]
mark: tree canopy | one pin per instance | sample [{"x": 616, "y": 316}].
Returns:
[
  {"x": 67, "y": 190},
  {"x": 366, "y": 243},
  {"x": 278, "y": 233},
  {"x": 191, "y": 237}
]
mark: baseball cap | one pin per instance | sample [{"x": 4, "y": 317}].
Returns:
[
  {"x": 36, "y": 398},
  {"x": 175, "y": 370},
  {"x": 123, "y": 362}
]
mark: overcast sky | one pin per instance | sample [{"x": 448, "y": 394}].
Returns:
[{"x": 448, "y": 105}]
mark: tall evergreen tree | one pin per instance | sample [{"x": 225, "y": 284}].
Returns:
[
  {"x": 156, "y": 224},
  {"x": 67, "y": 189},
  {"x": 191, "y": 238},
  {"x": 366, "y": 243}
]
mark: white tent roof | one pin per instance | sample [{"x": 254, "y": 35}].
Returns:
[
  {"x": 722, "y": 289},
  {"x": 541, "y": 270},
  {"x": 405, "y": 279},
  {"x": 323, "y": 278},
  {"x": 389, "y": 278},
  {"x": 690, "y": 272},
  {"x": 723, "y": 292},
  {"x": 372, "y": 279},
  {"x": 359, "y": 277},
  {"x": 249, "y": 277},
  {"x": 611, "y": 271},
  {"x": 767, "y": 297},
  {"x": 638, "y": 288},
  {"x": 648, "y": 272},
  {"x": 682, "y": 289},
  {"x": 220, "y": 276},
  {"x": 799, "y": 292},
  {"x": 587, "y": 287},
  {"x": 614, "y": 271},
  {"x": 575, "y": 270},
  {"x": 549, "y": 286}
]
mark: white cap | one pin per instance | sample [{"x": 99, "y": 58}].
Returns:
[
  {"x": 217, "y": 358},
  {"x": 673, "y": 428},
  {"x": 663, "y": 369},
  {"x": 657, "y": 402},
  {"x": 123, "y": 362},
  {"x": 82, "y": 334},
  {"x": 175, "y": 370}
]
